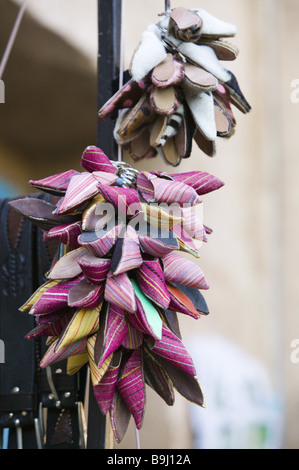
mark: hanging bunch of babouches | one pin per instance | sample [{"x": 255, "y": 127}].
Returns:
[
  {"x": 178, "y": 92},
  {"x": 124, "y": 271}
]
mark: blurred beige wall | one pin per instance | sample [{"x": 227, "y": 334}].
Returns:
[{"x": 251, "y": 259}]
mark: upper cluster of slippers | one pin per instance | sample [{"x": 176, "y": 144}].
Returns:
[{"x": 178, "y": 92}]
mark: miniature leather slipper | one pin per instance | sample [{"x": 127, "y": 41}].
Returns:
[
  {"x": 158, "y": 130},
  {"x": 132, "y": 122},
  {"x": 223, "y": 123},
  {"x": 185, "y": 24},
  {"x": 164, "y": 101},
  {"x": 169, "y": 72},
  {"x": 209, "y": 147},
  {"x": 236, "y": 95},
  {"x": 223, "y": 50},
  {"x": 140, "y": 146},
  {"x": 170, "y": 153},
  {"x": 222, "y": 98},
  {"x": 127, "y": 97},
  {"x": 199, "y": 79},
  {"x": 166, "y": 127}
]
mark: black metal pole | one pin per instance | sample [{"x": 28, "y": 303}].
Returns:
[
  {"x": 109, "y": 52},
  {"x": 109, "y": 47}
]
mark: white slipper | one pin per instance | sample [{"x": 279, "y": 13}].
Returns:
[
  {"x": 150, "y": 53},
  {"x": 202, "y": 109},
  {"x": 206, "y": 58},
  {"x": 213, "y": 27}
]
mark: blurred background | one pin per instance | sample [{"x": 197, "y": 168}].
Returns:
[{"x": 245, "y": 351}]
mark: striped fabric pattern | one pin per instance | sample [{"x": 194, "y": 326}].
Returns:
[
  {"x": 55, "y": 328},
  {"x": 160, "y": 217},
  {"x": 51, "y": 356},
  {"x": 84, "y": 323},
  {"x": 158, "y": 247},
  {"x": 104, "y": 391},
  {"x": 183, "y": 271},
  {"x": 120, "y": 198},
  {"x": 185, "y": 241},
  {"x": 37, "y": 295},
  {"x": 165, "y": 190},
  {"x": 54, "y": 316},
  {"x": 94, "y": 269},
  {"x": 202, "y": 182},
  {"x": 85, "y": 295},
  {"x": 151, "y": 281},
  {"x": 101, "y": 246},
  {"x": 131, "y": 387},
  {"x": 96, "y": 374},
  {"x": 75, "y": 363},
  {"x": 57, "y": 183},
  {"x": 81, "y": 188},
  {"x": 66, "y": 234},
  {"x": 140, "y": 320},
  {"x": 119, "y": 291},
  {"x": 130, "y": 256},
  {"x": 115, "y": 332},
  {"x": 172, "y": 349},
  {"x": 54, "y": 298},
  {"x": 94, "y": 159},
  {"x": 107, "y": 179},
  {"x": 193, "y": 225},
  {"x": 90, "y": 220},
  {"x": 134, "y": 339}
]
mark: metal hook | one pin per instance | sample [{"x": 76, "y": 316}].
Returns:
[{"x": 167, "y": 6}]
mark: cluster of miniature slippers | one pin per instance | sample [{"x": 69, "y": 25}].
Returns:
[
  {"x": 178, "y": 91},
  {"x": 114, "y": 291}
]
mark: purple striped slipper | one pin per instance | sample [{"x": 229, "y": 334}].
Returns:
[
  {"x": 165, "y": 190},
  {"x": 183, "y": 271},
  {"x": 131, "y": 386},
  {"x": 94, "y": 159}
]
